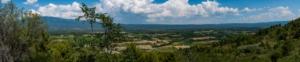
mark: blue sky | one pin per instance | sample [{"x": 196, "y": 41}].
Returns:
[{"x": 172, "y": 11}]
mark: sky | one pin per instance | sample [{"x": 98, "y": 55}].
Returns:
[{"x": 171, "y": 11}]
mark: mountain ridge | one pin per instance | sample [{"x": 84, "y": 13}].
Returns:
[{"x": 71, "y": 25}]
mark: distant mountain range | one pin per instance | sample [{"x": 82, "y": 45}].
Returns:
[{"x": 70, "y": 25}]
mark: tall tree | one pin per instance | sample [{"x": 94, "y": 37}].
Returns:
[
  {"x": 21, "y": 33},
  {"x": 11, "y": 47},
  {"x": 89, "y": 15},
  {"x": 113, "y": 32},
  {"x": 35, "y": 34}
]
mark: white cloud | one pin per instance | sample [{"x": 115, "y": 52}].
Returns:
[
  {"x": 68, "y": 11},
  {"x": 169, "y": 9},
  {"x": 278, "y": 13},
  {"x": 171, "y": 12},
  {"x": 249, "y": 9},
  {"x": 5, "y": 1},
  {"x": 30, "y": 1}
]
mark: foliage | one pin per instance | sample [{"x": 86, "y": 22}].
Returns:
[
  {"x": 11, "y": 47},
  {"x": 112, "y": 31},
  {"x": 22, "y": 33},
  {"x": 89, "y": 15}
]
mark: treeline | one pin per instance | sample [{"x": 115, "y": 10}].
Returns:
[{"x": 24, "y": 38}]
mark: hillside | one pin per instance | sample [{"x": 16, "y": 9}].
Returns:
[{"x": 278, "y": 43}]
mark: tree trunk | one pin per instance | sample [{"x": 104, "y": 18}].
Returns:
[{"x": 92, "y": 27}]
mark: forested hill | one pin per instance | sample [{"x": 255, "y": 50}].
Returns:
[
  {"x": 283, "y": 32},
  {"x": 70, "y": 25},
  {"x": 278, "y": 43}
]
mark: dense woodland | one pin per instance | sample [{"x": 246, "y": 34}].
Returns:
[{"x": 24, "y": 38}]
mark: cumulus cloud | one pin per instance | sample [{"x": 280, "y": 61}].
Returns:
[
  {"x": 278, "y": 13},
  {"x": 169, "y": 9},
  {"x": 68, "y": 11},
  {"x": 249, "y": 9},
  {"x": 30, "y": 1},
  {"x": 170, "y": 12},
  {"x": 5, "y": 1}
]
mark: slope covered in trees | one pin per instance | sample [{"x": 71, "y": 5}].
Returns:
[{"x": 278, "y": 43}]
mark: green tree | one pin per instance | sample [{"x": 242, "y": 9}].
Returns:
[
  {"x": 35, "y": 34},
  {"x": 12, "y": 48},
  {"x": 131, "y": 54},
  {"x": 22, "y": 34},
  {"x": 112, "y": 31},
  {"x": 89, "y": 15}
]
